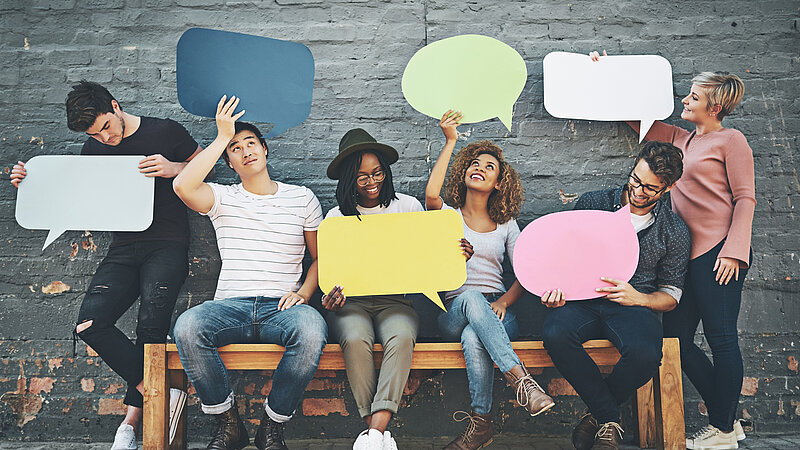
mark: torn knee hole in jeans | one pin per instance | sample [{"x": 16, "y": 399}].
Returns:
[
  {"x": 99, "y": 289},
  {"x": 83, "y": 326},
  {"x": 160, "y": 293}
]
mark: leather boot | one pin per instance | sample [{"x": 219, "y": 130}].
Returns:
[
  {"x": 269, "y": 435},
  {"x": 230, "y": 433},
  {"x": 584, "y": 434},
  {"x": 530, "y": 395},
  {"x": 478, "y": 434},
  {"x": 608, "y": 437}
]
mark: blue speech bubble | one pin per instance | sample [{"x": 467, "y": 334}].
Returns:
[{"x": 273, "y": 78}]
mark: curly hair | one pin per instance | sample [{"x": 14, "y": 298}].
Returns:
[{"x": 504, "y": 203}]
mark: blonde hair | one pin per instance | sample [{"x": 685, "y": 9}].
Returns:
[
  {"x": 725, "y": 90},
  {"x": 504, "y": 203}
]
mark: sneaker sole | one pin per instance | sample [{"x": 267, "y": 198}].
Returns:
[
  {"x": 175, "y": 417},
  {"x": 543, "y": 409},
  {"x": 486, "y": 443}
]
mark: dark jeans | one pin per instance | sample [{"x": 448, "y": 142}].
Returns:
[
  {"x": 720, "y": 382},
  {"x": 153, "y": 271},
  {"x": 634, "y": 330}
]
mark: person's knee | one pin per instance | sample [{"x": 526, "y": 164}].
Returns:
[
  {"x": 401, "y": 339},
  {"x": 646, "y": 355},
  {"x": 188, "y": 327},
  {"x": 83, "y": 326},
  {"x": 309, "y": 331}
]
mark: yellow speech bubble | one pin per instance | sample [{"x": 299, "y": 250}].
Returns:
[
  {"x": 385, "y": 254},
  {"x": 477, "y": 75}
]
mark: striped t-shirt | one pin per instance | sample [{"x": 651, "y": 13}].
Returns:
[{"x": 260, "y": 238}]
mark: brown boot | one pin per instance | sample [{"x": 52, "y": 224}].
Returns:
[
  {"x": 230, "y": 433},
  {"x": 478, "y": 434},
  {"x": 530, "y": 395},
  {"x": 608, "y": 437},
  {"x": 584, "y": 433}
]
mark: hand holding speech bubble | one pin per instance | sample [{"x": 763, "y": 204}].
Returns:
[
  {"x": 571, "y": 250},
  {"x": 385, "y": 254},
  {"x": 273, "y": 78},
  {"x": 100, "y": 193},
  {"x": 477, "y": 75},
  {"x": 613, "y": 88}
]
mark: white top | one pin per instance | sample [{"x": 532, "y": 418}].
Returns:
[
  {"x": 642, "y": 222},
  {"x": 485, "y": 268},
  {"x": 403, "y": 203},
  {"x": 260, "y": 238}
]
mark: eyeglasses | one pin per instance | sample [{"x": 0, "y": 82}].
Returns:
[
  {"x": 376, "y": 176},
  {"x": 648, "y": 189}
]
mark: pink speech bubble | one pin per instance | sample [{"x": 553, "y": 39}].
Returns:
[{"x": 571, "y": 250}]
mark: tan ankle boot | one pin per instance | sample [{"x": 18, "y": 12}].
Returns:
[
  {"x": 530, "y": 395},
  {"x": 478, "y": 434}
]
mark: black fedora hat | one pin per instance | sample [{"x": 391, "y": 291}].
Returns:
[{"x": 357, "y": 140}]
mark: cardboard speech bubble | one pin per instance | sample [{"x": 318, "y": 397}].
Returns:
[
  {"x": 385, "y": 254},
  {"x": 99, "y": 193},
  {"x": 571, "y": 250},
  {"x": 477, "y": 75},
  {"x": 614, "y": 88},
  {"x": 273, "y": 78}
]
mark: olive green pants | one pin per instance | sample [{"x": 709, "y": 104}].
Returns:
[{"x": 394, "y": 322}]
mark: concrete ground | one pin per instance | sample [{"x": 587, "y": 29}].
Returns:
[{"x": 500, "y": 443}]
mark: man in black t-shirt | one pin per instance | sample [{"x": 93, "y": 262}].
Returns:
[{"x": 152, "y": 264}]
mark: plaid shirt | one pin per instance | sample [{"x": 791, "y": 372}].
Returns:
[{"x": 664, "y": 246}]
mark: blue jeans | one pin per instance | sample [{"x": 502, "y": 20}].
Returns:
[
  {"x": 485, "y": 339},
  {"x": 720, "y": 382},
  {"x": 201, "y": 330},
  {"x": 634, "y": 330}
]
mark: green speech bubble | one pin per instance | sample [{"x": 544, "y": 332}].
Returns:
[{"x": 477, "y": 75}]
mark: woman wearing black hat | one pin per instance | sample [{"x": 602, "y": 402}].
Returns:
[{"x": 365, "y": 187}]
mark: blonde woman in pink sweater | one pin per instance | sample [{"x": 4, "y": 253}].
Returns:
[{"x": 716, "y": 198}]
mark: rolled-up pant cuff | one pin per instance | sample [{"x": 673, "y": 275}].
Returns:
[
  {"x": 280, "y": 418},
  {"x": 384, "y": 405},
  {"x": 220, "y": 408}
]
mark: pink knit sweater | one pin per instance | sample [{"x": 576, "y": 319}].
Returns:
[{"x": 716, "y": 194}]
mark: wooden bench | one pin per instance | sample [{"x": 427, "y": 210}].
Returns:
[{"x": 658, "y": 407}]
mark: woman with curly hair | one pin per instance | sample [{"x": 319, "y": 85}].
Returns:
[{"x": 486, "y": 191}]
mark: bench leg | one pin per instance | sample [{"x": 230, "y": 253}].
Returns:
[
  {"x": 156, "y": 397},
  {"x": 668, "y": 396},
  {"x": 644, "y": 416},
  {"x": 177, "y": 379}
]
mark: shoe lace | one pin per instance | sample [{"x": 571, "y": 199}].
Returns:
[
  {"x": 606, "y": 431},
  {"x": 473, "y": 423},
  {"x": 526, "y": 384},
  {"x": 705, "y": 432}
]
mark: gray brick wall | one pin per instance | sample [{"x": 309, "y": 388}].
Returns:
[{"x": 53, "y": 388}]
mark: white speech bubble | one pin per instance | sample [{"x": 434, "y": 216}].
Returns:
[
  {"x": 614, "y": 88},
  {"x": 99, "y": 193}
]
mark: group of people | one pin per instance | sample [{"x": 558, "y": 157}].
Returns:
[{"x": 691, "y": 198}]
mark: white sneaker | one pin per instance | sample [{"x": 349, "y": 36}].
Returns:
[
  {"x": 712, "y": 438},
  {"x": 737, "y": 428},
  {"x": 177, "y": 400},
  {"x": 388, "y": 441},
  {"x": 369, "y": 440},
  {"x": 125, "y": 439}
]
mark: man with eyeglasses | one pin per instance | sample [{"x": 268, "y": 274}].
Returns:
[{"x": 626, "y": 313}]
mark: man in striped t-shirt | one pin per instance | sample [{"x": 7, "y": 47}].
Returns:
[{"x": 263, "y": 229}]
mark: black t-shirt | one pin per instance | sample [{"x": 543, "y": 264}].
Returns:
[{"x": 154, "y": 136}]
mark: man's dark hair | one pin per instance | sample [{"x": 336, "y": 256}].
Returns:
[
  {"x": 242, "y": 126},
  {"x": 346, "y": 190},
  {"x": 85, "y": 102},
  {"x": 664, "y": 159}
]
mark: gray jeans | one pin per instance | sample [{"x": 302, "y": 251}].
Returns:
[{"x": 394, "y": 322}]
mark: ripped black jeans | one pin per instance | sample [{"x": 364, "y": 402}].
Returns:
[{"x": 153, "y": 271}]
